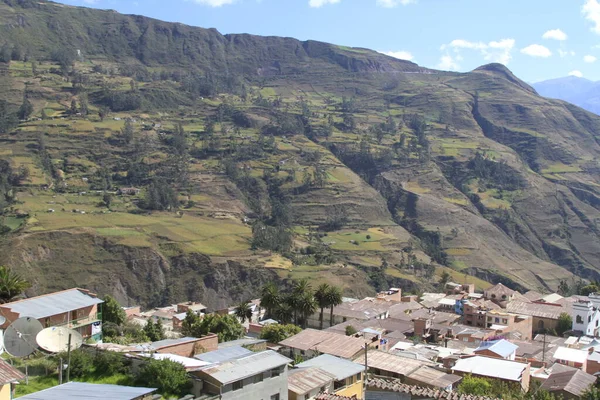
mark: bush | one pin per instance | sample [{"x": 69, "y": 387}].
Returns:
[
  {"x": 276, "y": 333},
  {"x": 81, "y": 363},
  {"x": 110, "y": 363},
  {"x": 350, "y": 330},
  {"x": 166, "y": 375}
]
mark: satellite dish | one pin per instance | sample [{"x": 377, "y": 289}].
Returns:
[
  {"x": 1, "y": 342},
  {"x": 56, "y": 339},
  {"x": 19, "y": 337},
  {"x": 2, "y": 320}
]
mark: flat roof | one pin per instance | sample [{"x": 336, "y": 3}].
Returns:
[
  {"x": 573, "y": 355},
  {"x": 337, "y": 366},
  {"x": 392, "y": 363},
  {"x": 171, "y": 342},
  {"x": 187, "y": 362},
  {"x": 501, "y": 347},
  {"x": 491, "y": 367},
  {"x": 304, "y": 380},
  {"x": 80, "y": 390},
  {"x": 241, "y": 368},
  {"x": 52, "y": 304},
  {"x": 325, "y": 342},
  {"x": 224, "y": 354}
]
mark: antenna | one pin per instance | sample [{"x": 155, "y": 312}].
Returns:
[
  {"x": 19, "y": 337},
  {"x": 56, "y": 339}
]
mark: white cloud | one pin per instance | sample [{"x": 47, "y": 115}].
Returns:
[
  {"x": 394, "y": 3},
  {"x": 321, "y": 3},
  {"x": 536, "y": 50},
  {"x": 555, "y": 34},
  {"x": 591, "y": 11},
  {"x": 447, "y": 63},
  {"x": 564, "y": 53},
  {"x": 402, "y": 55},
  {"x": 589, "y": 59},
  {"x": 214, "y": 3},
  {"x": 494, "y": 51},
  {"x": 576, "y": 73}
]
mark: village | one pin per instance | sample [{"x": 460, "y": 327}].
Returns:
[{"x": 391, "y": 346}]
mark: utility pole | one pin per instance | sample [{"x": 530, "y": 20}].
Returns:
[
  {"x": 544, "y": 349},
  {"x": 60, "y": 371},
  {"x": 366, "y": 369},
  {"x": 69, "y": 358}
]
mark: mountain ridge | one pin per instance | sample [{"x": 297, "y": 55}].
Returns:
[{"x": 381, "y": 171}]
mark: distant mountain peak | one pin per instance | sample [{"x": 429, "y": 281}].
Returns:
[{"x": 500, "y": 70}]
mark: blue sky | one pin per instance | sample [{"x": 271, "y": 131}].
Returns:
[{"x": 536, "y": 39}]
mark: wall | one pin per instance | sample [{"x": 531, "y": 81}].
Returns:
[
  {"x": 592, "y": 367},
  {"x": 311, "y": 395},
  {"x": 352, "y": 389},
  {"x": 262, "y": 390},
  {"x": 5, "y": 392},
  {"x": 193, "y": 347}
]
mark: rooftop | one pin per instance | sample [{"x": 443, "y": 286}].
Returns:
[
  {"x": 303, "y": 380},
  {"x": 171, "y": 342},
  {"x": 9, "y": 374},
  {"x": 572, "y": 355},
  {"x": 224, "y": 354},
  {"x": 188, "y": 363},
  {"x": 325, "y": 342},
  {"x": 540, "y": 310},
  {"x": 52, "y": 304},
  {"x": 428, "y": 376},
  {"x": 336, "y": 366},
  {"x": 574, "y": 382},
  {"x": 79, "y": 390},
  {"x": 395, "y": 385},
  {"x": 502, "y": 347},
  {"x": 241, "y": 368},
  {"x": 392, "y": 363},
  {"x": 491, "y": 367}
]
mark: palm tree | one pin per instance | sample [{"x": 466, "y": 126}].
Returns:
[
  {"x": 306, "y": 306},
  {"x": 244, "y": 312},
  {"x": 321, "y": 298},
  {"x": 283, "y": 313},
  {"x": 270, "y": 298},
  {"x": 300, "y": 289},
  {"x": 11, "y": 284},
  {"x": 334, "y": 298}
]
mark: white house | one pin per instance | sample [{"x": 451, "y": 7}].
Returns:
[{"x": 586, "y": 315}]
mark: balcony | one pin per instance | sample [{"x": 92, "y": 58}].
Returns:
[{"x": 79, "y": 322}]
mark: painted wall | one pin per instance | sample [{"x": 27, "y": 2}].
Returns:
[
  {"x": 6, "y": 392},
  {"x": 193, "y": 347}
]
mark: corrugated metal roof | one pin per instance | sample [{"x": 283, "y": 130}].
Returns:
[
  {"x": 170, "y": 342},
  {"x": 575, "y": 382},
  {"x": 224, "y": 354},
  {"x": 241, "y": 342},
  {"x": 392, "y": 363},
  {"x": 431, "y": 377},
  {"x": 339, "y": 367},
  {"x": 9, "y": 374},
  {"x": 52, "y": 304},
  {"x": 540, "y": 310},
  {"x": 303, "y": 380},
  {"x": 185, "y": 361},
  {"x": 325, "y": 342},
  {"x": 396, "y": 385},
  {"x": 491, "y": 367},
  {"x": 79, "y": 390},
  {"x": 502, "y": 347},
  {"x": 573, "y": 355},
  {"x": 245, "y": 367}
]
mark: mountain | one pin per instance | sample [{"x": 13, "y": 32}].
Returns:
[
  {"x": 246, "y": 159},
  {"x": 579, "y": 91}
]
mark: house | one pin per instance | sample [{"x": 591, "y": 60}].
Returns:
[
  {"x": 474, "y": 311},
  {"x": 568, "y": 384},
  {"x": 77, "y": 309},
  {"x": 261, "y": 375},
  {"x": 572, "y": 357},
  {"x": 392, "y": 365},
  {"x": 80, "y": 390},
  {"x": 308, "y": 383},
  {"x": 223, "y": 355},
  {"x": 586, "y": 315},
  {"x": 503, "y": 323},
  {"x": 499, "y": 294},
  {"x": 9, "y": 377},
  {"x": 129, "y": 191},
  {"x": 498, "y": 349},
  {"x": 365, "y": 309},
  {"x": 426, "y": 376},
  {"x": 186, "y": 346},
  {"x": 545, "y": 315},
  {"x": 312, "y": 342},
  {"x": 348, "y": 376},
  {"x": 494, "y": 368},
  {"x": 380, "y": 388}
]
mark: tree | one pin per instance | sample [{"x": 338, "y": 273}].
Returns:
[
  {"x": 8, "y": 118},
  {"x": 26, "y": 108},
  {"x": 103, "y": 113},
  {"x": 73, "y": 109},
  {"x": 563, "y": 288},
  {"x": 444, "y": 279},
  {"x": 34, "y": 70},
  {"x": 321, "y": 298},
  {"x": 112, "y": 311},
  {"x": 591, "y": 393},
  {"x": 565, "y": 323},
  {"x": 350, "y": 330},
  {"x": 244, "y": 312},
  {"x": 270, "y": 298},
  {"x": 11, "y": 284},
  {"x": 160, "y": 196},
  {"x": 107, "y": 199},
  {"x": 227, "y": 327},
  {"x": 475, "y": 386},
  {"x": 276, "y": 333},
  {"x": 334, "y": 298},
  {"x": 83, "y": 104},
  {"x": 127, "y": 133},
  {"x": 169, "y": 377},
  {"x": 307, "y": 306},
  {"x": 151, "y": 332}
]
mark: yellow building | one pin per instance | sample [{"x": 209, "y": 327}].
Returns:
[
  {"x": 9, "y": 376},
  {"x": 326, "y": 374}
]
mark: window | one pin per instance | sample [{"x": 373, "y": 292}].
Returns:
[
  {"x": 237, "y": 385},
  {"x": 589, "y": 318},
  {"x": 337, "y": 385},
  {"x": 257, "y": 378},
  {"x": 504, "y": 321},
  {"x": 358, "y": 377},
  {"x": 275, "y": 397},
  {"x": 324, "y": 389},
  {"x": 496, "y": 320},
  {"x": 275, "y": 373},
  {"x": 541, "y": 324},
  {"x": 503, "y": 297},
  {"x": 579, "y": 319},
  {"x": 493, "y": 296}
]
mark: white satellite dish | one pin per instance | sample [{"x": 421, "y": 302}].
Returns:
[
  {"x": 19, "y": 337},
  {"x": 56, "y": 339},
  {"x": 2, "y": 320},
  {"x": 1, "y": 342}
]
